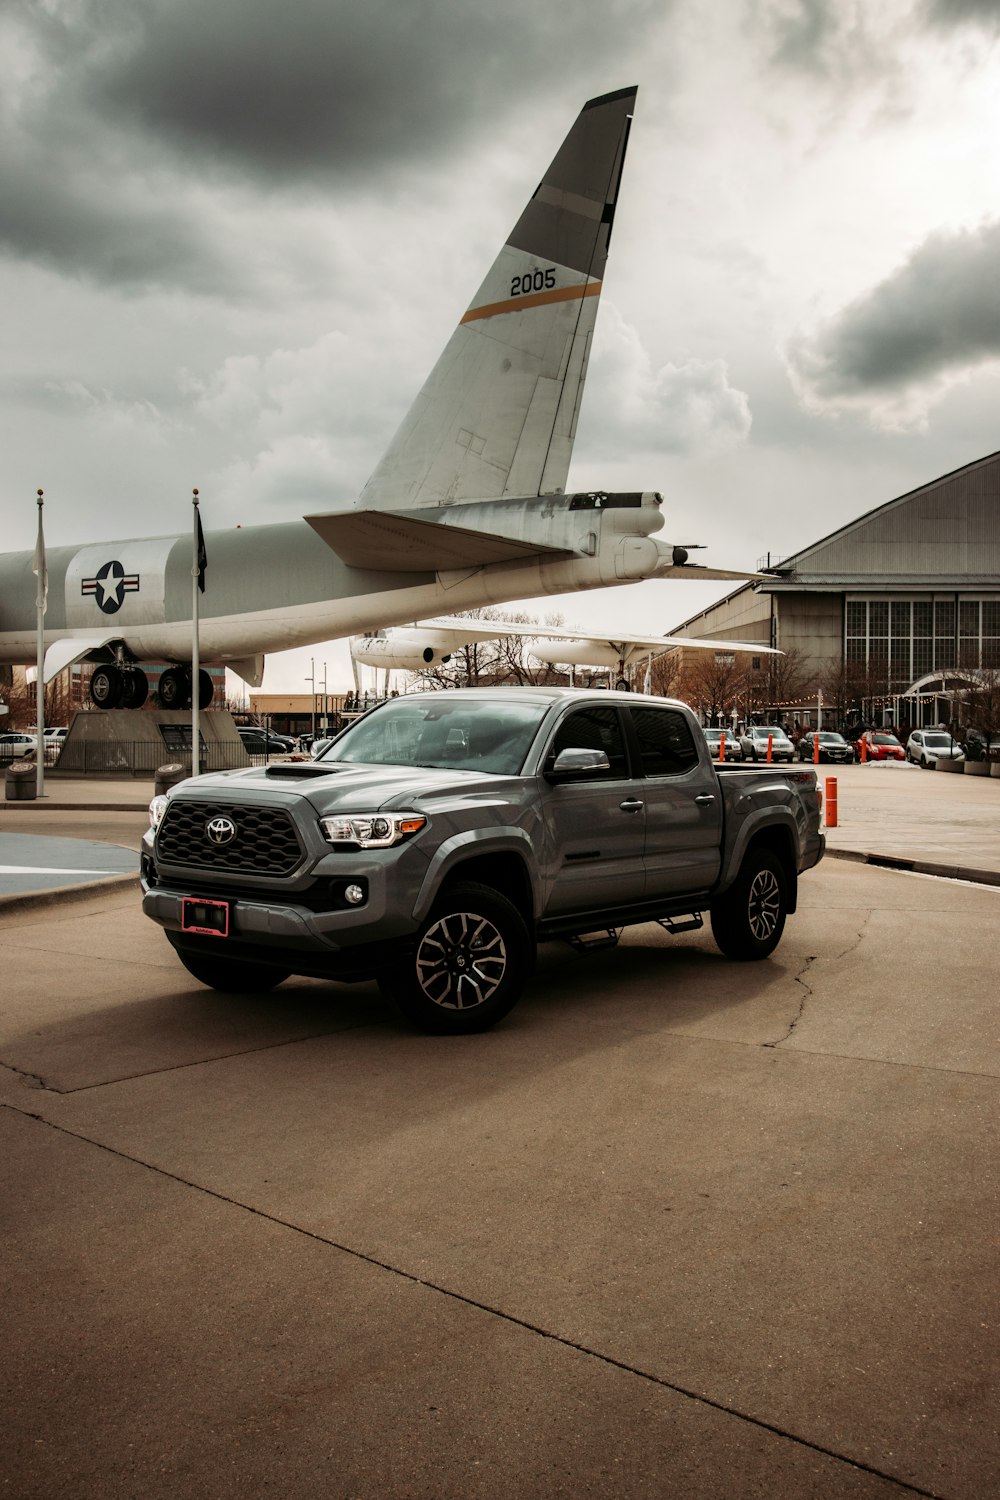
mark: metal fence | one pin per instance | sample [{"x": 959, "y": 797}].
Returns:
[{"x": 144, "y": 757}]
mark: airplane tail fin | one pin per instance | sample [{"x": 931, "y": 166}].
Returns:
[{"x": 497, "y": 415}]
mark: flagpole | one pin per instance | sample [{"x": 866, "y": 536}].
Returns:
[
  {"x": 41, "y": 596},
  {"x": 195, "y": 657}
]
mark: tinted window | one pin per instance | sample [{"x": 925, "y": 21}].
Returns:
[
  {"x": 666, "y": 747},
  {"x": 593, "y": 729}
]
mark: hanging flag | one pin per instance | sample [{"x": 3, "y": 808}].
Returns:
[
  {"x": 38, "y": 566},
  {"x": 202, "y": 554}
]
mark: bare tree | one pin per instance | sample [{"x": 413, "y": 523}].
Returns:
[
  {"x": 712, "y": 682},
  {"x": 982, "y": 706}
]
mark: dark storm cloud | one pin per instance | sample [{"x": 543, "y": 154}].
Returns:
[
  {"x": 939, "y": 313},
  {"x": 325, "y": 86},
  {"x": 116, "y": 114},
  {"x": 945, "y": 13}
]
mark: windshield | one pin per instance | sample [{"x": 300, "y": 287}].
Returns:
[
  {"x": 829, "y": 738},
  {"x": 885, "y": 739},
  {"x": 936, "y": 739},
  {"x": 761, "y": 731},
  {"x": 443, "y": 731}
]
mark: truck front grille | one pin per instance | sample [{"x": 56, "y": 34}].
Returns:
[{"x": 197, "y": 834}]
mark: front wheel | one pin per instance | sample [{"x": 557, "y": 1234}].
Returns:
[
  {"x": 747, "y": 922},
  {"x": 234, "y": 976},
  {"x": 468, "y": 966}
]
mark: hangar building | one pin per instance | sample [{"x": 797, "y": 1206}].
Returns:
[{"x": 904, "y": 594}]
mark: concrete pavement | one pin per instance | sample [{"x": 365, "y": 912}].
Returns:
[{"x": 678, "y": 1227}]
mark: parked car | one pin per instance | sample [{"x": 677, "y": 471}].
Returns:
[
  {"x": 733, "y": 751},
  {"x": 16, "y": 746},
  {"x": 56, "y": 731},
  {"x": 832, "y": 747},
  {"x": 926, "y": 747},
  {"x": 879, "y": 745},
  {"x": 754, "y": 742},
  {"x": 264, "y": 741}
]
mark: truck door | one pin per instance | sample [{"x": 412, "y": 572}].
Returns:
[
  {"x": 596, "y": 827},
  {"x": 683, "y": 804}
]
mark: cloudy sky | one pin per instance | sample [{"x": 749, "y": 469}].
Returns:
[{"x": 234, "y": 238}]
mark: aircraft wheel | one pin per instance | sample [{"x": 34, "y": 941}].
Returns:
[
  {"x": 175, "y": 688},
  {"x": 106, "y": 687},
  {"x": 135, "y": 689}
]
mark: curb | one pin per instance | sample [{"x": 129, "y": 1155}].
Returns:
[
  {"x": 47, "y": 806},
  {"x": 917, "y": 866},
  {"x": 57, "y": 895}
]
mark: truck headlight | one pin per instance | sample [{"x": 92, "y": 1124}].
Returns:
[
  {"x": 372, "y": 830},
  {"x": 157, "y": 808}
]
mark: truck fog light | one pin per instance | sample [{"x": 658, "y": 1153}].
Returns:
[{"x": 354, "y": 895}]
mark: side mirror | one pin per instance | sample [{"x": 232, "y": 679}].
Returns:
[{"x": 577, "y": 764}]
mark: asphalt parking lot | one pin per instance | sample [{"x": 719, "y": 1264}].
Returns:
[{"x": 678, "y": 1227}]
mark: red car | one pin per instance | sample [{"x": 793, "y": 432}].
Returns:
[{"x": 879, "y": 746}]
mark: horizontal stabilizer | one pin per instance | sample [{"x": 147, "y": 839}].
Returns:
[{"x": 383, "y": 542}]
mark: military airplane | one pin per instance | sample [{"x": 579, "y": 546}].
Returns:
[{"x": 468, "y": 506}]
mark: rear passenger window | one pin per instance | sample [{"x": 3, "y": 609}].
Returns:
[
  {"x": 593, "y": 729},
  {"x": 666, "y": 746}
]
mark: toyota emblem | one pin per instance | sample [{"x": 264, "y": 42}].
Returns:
[{"x": 220, "y": 831}]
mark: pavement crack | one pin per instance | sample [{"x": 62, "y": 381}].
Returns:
[
  {"x": 22, "y": 1077},
  {"x": 805, "y": 995}
]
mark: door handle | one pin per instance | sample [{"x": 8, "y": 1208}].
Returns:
[
  {"x": 704, "y": 800},
  {"x": 631, "y": 804}
]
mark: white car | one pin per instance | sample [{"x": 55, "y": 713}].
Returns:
[
  {"x": 14, "y": 745},
  {"x": 926, "y": 747},
  {"x": 754, "y": 743}
]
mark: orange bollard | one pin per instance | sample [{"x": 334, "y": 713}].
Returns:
[
  {"x": 722, "y": 748},
  {"x": 864, "y": 751},
  {"x": 816, "y": 748},
  {"x": 769, "y": 739},
  {"x": 831, "y": 802}
]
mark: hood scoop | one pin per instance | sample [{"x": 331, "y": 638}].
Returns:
[{"x": 302, "y": 770}]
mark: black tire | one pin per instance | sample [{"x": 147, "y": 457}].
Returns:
[
  {"x": 135, "y": 689},
  {"x": 923, "y": 762},
  {"x": 747, "y": 922},
  {"x": 206, "y": 689},
  {"x": 106, "y": 687},
  {"x": 234, "y": 976},
  {"x": 175, "y": 688},
  {"x": 468, "y": 965}
]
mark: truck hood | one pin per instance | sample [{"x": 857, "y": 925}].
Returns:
[{"x": 342, "y": 787}]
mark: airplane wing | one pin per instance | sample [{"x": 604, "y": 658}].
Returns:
[
  {"x": 497, "y": 416},
  {"x": 379, "y": 540},
  {"x": 624, "y": 647}
]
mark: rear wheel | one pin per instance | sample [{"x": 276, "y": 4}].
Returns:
[
  {"x": 747, "y": 922},
  {"x": 468, "y": 966},
  {"x": 234, "y": 976}
]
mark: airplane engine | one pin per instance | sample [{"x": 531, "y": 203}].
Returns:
[
  {"x": 401, "y": 652},
  {"x": 575, "y": 653}
]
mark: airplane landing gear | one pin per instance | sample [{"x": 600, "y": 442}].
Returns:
[
  {"x": 175, "y": 688},
  {"x": 118, "y": 687}
]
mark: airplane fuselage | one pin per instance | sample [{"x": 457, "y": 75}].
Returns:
[{"x": 272, "y": 588}]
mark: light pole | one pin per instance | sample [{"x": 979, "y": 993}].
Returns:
[{"x": 311, "y": 679}]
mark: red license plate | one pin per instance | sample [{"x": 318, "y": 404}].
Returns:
[{"x": 211, "y": 917}]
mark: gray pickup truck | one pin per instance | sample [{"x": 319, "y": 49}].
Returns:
[{"x": 440, "y": 837}]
